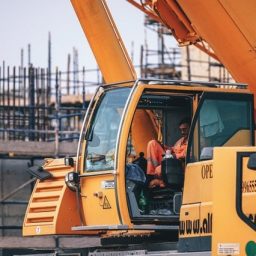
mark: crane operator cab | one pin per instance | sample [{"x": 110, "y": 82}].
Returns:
[
  {"x": 132, "y": 118},
  {"x": 116, "y": 188},
  {"x": 133, "y": 126}
]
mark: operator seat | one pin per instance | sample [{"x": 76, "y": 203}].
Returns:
[
  {"x": 173, "y": 176},
  {"x": 173, "y": 173}
]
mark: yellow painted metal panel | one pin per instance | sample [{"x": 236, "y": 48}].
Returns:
[
  {"x": 143, "y": 130},
  {"x": 40, "y": 215},
  {"x": 43, "y": 204},
  {"x": 51, "y": 184},
  {"x": 228, "y": 229},
  {"x": 46, "y": 194},
  {"x": 206, "y": 218},
  {"x": 121, "y": 185},
  {"x": 224, "y": 26},
  {"x": 189, "y": 219},
  {"x": 243, "y": 15},
  {"x": 99, "y": 202},
  {"x": 199, "y": 190},
  {"x": 196, "y": 220},
  {"x": 248, "y": 207},
  {"x": 197, "y": 197},
  {"x": 52, "y": 212},
  {"x": 242, "y": 136},
  {"x": 104, "y": 40},
  {"x": 249, "y": 191}
]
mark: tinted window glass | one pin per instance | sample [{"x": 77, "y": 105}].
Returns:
[
  {"x": 103, "y": 130},
  {"x": 221, "y": 122}
]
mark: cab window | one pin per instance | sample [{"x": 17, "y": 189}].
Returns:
[
  {"x": 221, "y": 122},
  {"x": 102, "y": 135}
]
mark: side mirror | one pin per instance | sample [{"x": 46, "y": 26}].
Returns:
[
  {"x": 252, "y": 162},
  {"x": 72, "y": 181}
]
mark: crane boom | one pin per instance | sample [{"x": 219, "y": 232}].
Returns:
[
  {"x": 104, "y": 40},
  {"x": 227, "y": 26}
]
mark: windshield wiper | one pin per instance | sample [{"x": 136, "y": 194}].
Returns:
[{"x": 96, "y": 157}]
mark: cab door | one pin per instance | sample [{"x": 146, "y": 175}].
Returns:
[{"x": 98, "y": 178}]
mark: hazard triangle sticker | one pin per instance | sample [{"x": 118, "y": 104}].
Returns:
[{"x": 106, "y": 204}]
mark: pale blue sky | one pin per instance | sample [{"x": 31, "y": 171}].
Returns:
[{"x": 28, "y": 21}]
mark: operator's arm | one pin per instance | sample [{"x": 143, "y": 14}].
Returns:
[{"x": 179, "y": 150}]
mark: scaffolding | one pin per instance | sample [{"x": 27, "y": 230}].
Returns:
[
  {"x": 33, "y": 110},
  {"x": 163, "y": 62},
  {"x": 172, "y": 62}
]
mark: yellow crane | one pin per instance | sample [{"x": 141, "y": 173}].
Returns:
[{"x": 206, "y": 203}]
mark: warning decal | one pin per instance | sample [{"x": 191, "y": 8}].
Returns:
[
  {"x": 228, "y": 249},
  {"x": 106, "y": 204}
]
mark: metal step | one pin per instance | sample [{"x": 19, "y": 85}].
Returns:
[
  {"x": 175, "y": 253},
  {"x": 145, "y": 252},
  {"x": 156, "y": 227},
  {"x": 100, "y": 227}
]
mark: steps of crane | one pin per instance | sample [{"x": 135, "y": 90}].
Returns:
[
  {"x": 145, "y": 252},
  {"x": 123, "y": 253},
  {"x": 105, "y": 252}
]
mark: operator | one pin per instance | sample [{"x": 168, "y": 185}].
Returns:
[
  {"x": 179, "y": 149},
  {"x": 155, "y": 152}
]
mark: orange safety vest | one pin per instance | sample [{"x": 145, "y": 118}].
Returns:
[{"x": 180, "y": 148}]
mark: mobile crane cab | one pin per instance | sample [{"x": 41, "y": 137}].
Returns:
[{"x": 121, "y": 122}]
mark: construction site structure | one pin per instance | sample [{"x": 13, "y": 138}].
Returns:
[{"x": 168, "y": 61}]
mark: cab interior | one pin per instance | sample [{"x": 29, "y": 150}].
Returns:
[{"x": 157, "y": 117}]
